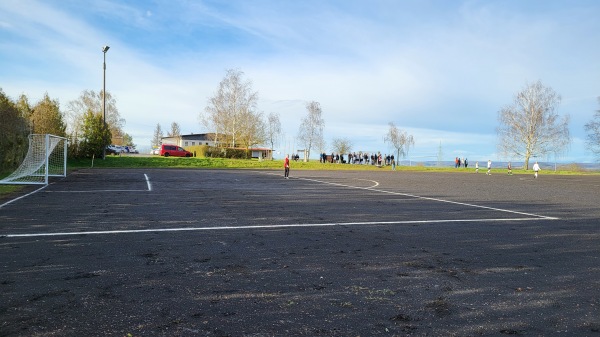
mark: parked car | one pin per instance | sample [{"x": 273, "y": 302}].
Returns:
[
  {"x": 155, "y": 151},
  {"x": 130, "y": 149},
  {"x": 113, "y": 149},
  {"x": 167, "y": 150}
]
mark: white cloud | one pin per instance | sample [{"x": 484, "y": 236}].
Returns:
[{"x": 442, "y": 71}]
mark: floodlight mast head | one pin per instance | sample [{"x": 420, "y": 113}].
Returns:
[{"x": 105, "y": 49}]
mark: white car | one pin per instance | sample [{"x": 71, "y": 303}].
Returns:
[
  {"x": 130, "y": 149},
  {"x": 114, "y": 149}
]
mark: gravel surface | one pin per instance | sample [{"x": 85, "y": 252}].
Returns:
[{"x": 325, "y": 253}]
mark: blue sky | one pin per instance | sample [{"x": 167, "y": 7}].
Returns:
[{"x": 441, "y": 70}]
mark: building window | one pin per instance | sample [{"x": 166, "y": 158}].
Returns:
[
  {"x": 193, "y": 143},
  {"x": 186, "y": 144}
]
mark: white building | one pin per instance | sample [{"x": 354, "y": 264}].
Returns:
[
  {"x": 190, "y": 140},
  {"x": 208, "y": 139}
]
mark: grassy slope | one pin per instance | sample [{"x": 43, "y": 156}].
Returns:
[{"x": 219, "y": 163}]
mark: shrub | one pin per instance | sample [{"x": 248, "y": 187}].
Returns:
[{"x": 219, "y": 152}]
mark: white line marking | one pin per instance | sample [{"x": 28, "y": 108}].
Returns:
[
  {"x": 148, "y": 182},
  {"x": 428, "y": 198},
  {"x": 535, "y": 216},
  {"x": 433, "y": 199},
  {"x": 373, "y": 181},
  {"x": 23, "y": 196},
  {"x": 190, "y": 229},
  {"x": 96, "y": 191}
]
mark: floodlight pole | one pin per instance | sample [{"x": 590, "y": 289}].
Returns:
[{"x": 104, "y": 50}]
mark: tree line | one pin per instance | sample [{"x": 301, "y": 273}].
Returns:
[
  {"x": 82, "y": 122},
  {"x": 233, "y": 116},
  {"x": 529, "y": 127}
]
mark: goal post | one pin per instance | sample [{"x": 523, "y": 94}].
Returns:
[{"x": 46, "y": 157}]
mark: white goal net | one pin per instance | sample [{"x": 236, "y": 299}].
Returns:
[{"x": 46, "y": 157}]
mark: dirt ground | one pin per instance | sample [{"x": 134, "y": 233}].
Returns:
[{"x": 325, "y": 253}]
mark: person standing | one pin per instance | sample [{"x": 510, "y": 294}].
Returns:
[
  {"x": 536, "y": 168},
  {"x": 509, "y": 169},
  {"x": 476, "y": 167},
  {"x": 489, "y": 167},
  {"x": 286, "y": 166}
]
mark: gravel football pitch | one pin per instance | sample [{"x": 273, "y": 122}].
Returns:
[{"x": 159, "y": 252}]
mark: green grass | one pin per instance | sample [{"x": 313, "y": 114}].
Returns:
[
  {"x": 171, "y": 162},
  {"x": 220, "y": 163},
  {"x": 6, "y": 189}
]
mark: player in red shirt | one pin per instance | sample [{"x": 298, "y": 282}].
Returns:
[{"x": 286, "y": 165}]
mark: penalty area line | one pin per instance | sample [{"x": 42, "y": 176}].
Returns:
[
  {"x": 433, "y": 199},
  {"x": 148, "y": 182},
  {"x": 23, "y": 196},
  {"x": 220, "y": 228},
  {"x": 427, "y": 198}
]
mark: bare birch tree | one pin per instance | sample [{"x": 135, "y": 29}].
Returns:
[
  {"x": 157, "y": 136},
  {"x": 593, "y": 136},
  {"x": 175, "y": 130},
  {"x": 273, "y": 130},
  {"x": 311, "y": 128},
  {"x": 90, "y": 100},
  {"x": 252, "y": 130},
  {"x": 531, "y": 126},
  {"x": 341, "y": 145},
  {"x": 400, "y": 140},
  {"x": 231, "y": 112}
]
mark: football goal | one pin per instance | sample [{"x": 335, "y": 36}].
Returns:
[{"x": 46, "y": 157}]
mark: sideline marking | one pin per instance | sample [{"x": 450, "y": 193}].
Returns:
[{"x": 191, "y": 229}]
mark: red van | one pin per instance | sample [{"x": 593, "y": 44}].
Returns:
[{"x": 173, "y": 150}]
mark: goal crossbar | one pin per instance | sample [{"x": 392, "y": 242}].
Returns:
[{"x": 46, "y": 157}]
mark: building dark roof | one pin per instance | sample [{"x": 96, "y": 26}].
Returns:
[{"x": 197, "y": 136}]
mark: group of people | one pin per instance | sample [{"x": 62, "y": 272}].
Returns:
[
  {"x": 353, "y": 158},
  {"x": 461, "y": 162},
  {"x": 378, "y": 159},
  {"x": 358, "y": 158}
]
